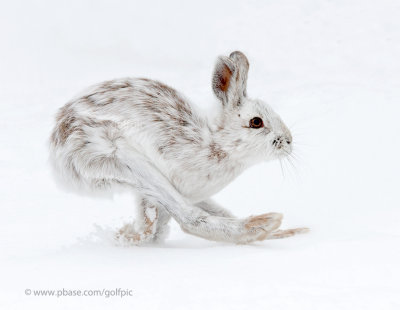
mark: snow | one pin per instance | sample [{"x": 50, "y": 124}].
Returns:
[{"x": 331, "y": 69}]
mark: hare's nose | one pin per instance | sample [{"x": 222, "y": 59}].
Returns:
[{"x": 279, "y": 141}]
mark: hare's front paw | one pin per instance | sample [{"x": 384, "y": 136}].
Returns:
[
  {"x": 128, "y": 235},
  {"x": 258, "y": 227}
]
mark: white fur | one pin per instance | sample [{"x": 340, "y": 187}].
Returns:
[{"x": 142, "y": 135}]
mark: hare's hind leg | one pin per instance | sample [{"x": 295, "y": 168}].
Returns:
[
  {"x": 212, "y": 208},
  {"x": 151, "y": 225},
  {"x": 151, "y": 184},
  {"x": 286, "y": 233}
]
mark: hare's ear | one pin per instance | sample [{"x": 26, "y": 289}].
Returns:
[
  {"x": 242, "y": 64},
  {"x": 230, "y": 78},
  {"x": 222, "y": 78}
]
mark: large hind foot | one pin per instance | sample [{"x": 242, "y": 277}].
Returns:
[
  {"x": 265, "y": 226},
  {"x": 257, "y": 228},
  {"x": 279, "y": 234}
]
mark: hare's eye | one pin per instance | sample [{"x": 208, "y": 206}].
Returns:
[{"x": 256, "y": 122}]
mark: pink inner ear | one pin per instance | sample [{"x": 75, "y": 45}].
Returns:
[{"x": 224, "y": 77}]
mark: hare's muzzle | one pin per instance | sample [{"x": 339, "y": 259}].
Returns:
[{"x": 280, "y": 142}]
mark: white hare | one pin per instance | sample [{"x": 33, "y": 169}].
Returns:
[{"x": 145, "y": 136}]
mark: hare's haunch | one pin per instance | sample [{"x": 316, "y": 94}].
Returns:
[{"x": 142, "y": 135}]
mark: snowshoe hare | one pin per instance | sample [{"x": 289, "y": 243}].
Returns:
[{"x": 143, "y": 135}]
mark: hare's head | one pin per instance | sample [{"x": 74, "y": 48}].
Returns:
[{"x": 249, "y": 125}]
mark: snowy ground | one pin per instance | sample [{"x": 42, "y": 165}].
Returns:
[{"x": 330, "y": 68}]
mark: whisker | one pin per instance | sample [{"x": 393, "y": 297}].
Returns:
[
  {"x": 290, "y": 160},
  {"x": 283, "y": 172}
]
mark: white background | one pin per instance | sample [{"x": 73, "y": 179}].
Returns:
[{"x": 331, "y": 69}]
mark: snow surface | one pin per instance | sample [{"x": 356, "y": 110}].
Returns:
[{"x": 331, "y": 69}]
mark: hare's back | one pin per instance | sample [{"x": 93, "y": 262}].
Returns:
[{"x": 92, "y": 128}]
